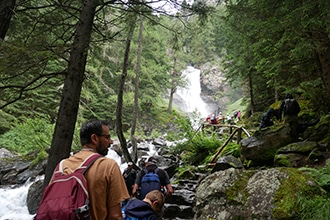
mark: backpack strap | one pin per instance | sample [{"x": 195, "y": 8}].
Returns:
[
  {"x": 82, "y": 168},
  {"x": 87, "y": 163},
  {"x": 145, "y": 170}
]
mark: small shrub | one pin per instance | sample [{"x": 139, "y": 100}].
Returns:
[
  {"x": 197, "y": 150},
  {"x": 31, "y": 135}
]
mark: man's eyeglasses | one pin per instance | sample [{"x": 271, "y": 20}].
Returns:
[{"x": 107, "y": 136}]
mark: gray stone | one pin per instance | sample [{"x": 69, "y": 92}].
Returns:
[{"x": 227, "y": 162}]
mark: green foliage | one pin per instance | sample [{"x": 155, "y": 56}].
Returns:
[
  {"x": 231, "y": 149},
  {"x": 293, "y": 188},
  {"x": 311, "y": 206},
  {"x": 271, "y": 61},
  {"x": 31, "y": 135},
  {"x": 6, "y": 121},
  {"x": 257, "y": 60},
  {"x": 42, "y": 154},
  {"x": 189, "y": 172},
  {"x": 197, "y": 150},
  {"x": 237, "y": 105},
  {"x": 321, "y": 175},
  {"x": 316, "y": 207}
]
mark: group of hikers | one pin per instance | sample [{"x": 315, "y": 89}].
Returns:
[
  {"x": 214, "y": 120},
  {"x": 287, "y": 112},
  {"x": 100, "y": 189},
  {"x": 140, "y": 184}
]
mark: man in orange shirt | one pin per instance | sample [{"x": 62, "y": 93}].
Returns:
[{"x": 106, "y": 185}]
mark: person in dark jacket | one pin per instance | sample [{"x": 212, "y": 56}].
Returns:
[
  {"x": 146, "y": 208},
  {"x": 151, "y": 165},
  {"x": 129, "y": 175},
  {"x": 266, "y": 118},
  {"x": 289, "y": 107}
]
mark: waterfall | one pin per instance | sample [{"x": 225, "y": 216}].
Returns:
[
  {"x": 188, "y": 99},
  {"x": 13, "y": 202}
]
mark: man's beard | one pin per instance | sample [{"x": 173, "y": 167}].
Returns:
[{"x": 102, "y": 152}]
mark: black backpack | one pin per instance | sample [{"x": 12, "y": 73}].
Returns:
[{"x": 291, "y": 107}]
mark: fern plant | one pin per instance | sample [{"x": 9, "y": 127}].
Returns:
[{"x": 31, "y": 135}]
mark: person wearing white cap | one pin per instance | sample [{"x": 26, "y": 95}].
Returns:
[{"x": 129, "y": 175}]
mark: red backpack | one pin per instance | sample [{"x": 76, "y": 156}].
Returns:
[{"x": 67, "y": 196}]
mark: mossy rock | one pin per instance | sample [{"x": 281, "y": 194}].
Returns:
[
  {"x": 290, "y": 160},
  {"x": 292, "y": 189}
]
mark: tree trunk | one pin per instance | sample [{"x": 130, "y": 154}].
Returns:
[
  {"x": 170, "y": 102},
  {"x": 251, "y": 92},
  {"x": 67, "y": 114},
  {"x": 119, "y": 108},
  {"x": 173, "y": 88},
  {"x": 136, "y": 93},
  {"x": 7, "y": 8},
  {"x": 276, "y": 95},
  {"x": 324, "y": 58}
]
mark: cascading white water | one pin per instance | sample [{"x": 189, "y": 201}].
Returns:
[
  {"x": 190, "y": 97},
  {"x": 13, "y": 203}
]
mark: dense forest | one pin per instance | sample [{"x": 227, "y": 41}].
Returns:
[{"x": 63, "y": 62}]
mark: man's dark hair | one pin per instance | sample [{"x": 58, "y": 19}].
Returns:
[
  {"x": 91, "y": 127},
  {"x": 152, "y": 160}
]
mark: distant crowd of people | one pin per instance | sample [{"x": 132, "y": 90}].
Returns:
[{"x": 220, "y": 118}]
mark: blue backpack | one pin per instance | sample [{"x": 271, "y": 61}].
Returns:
[{"x": 150, "y": 181}]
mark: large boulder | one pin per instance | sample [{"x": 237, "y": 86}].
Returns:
[
  {"x": 262, "y": 147},
  {"x": 259, "y": 194},
  {"x": 299, "y": 154}
]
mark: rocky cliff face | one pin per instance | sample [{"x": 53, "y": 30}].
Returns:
[{"x": 214, "y": 88}]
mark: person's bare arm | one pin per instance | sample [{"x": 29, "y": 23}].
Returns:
[
  {"x": 135, "y": 188},
  {"x": 169, "y": 190},
  {"x": 115, "y": 213}
]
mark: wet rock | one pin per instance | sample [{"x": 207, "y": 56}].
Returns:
[
  {"x": 227, "y": 162},
  {"x": 34, "y": 196},
  {"x": 4, "y": 153}
]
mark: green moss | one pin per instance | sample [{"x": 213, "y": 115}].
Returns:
[
  {"x": 276, "y": 105},
  {"x": 282, "y": 160},
  {"x": 286, "y": 199},
  {"x": 237, "y": 193}
]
